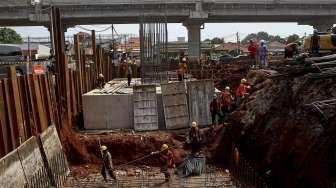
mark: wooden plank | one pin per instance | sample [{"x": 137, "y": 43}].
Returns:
[
  {"x": 25, "y": 105},
  {"x": 53, "y": 98},
  {"x": 47, "y": 100},
  {"x": 5, "y": 139},
  {"x": 17, "y": 113},
  {"x": 34, "y": 124},
  {"x": 73, "y": 93},
  {"x": 94, "y": 51},
  {"x": 39, "y": 105},
  {"x": 14, "y": 132},
  {"x": 79, "y": 71}
]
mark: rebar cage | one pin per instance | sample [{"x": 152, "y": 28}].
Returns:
[{"x": 154, "y": 52}]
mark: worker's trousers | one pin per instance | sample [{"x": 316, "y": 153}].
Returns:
[
  {"x": 109, "y": 171},
  {"x": 129, "y": 79},
  {"x": 167, "y": 172}
]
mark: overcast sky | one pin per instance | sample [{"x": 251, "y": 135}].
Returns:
[{"x": 211, "y": 30}]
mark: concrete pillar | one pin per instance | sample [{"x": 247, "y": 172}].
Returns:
[{"x": 194, "y": 39}]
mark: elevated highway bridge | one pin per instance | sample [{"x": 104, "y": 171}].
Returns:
[{"x": 192, "y": 13}]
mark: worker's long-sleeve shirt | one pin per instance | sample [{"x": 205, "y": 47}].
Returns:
[
  {"x": 241, "y": 90},
  {"x": 107, "y": 160},
  {"x": 167, "y": 157}
]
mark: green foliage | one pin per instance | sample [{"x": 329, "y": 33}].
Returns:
[
  {"x": 293, "y": 38},
  {"x": 9, "y": 36},
  {"x": 263, "y": 36},
  {"x": 215, "y": 40}
]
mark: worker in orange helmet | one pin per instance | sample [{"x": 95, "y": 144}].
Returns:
[
  {"x": 226, "y": 102},
  {"x": 166, "y": 157},
  {"x": 182, "y": 69},
  {"x": 242, "y": 91}
]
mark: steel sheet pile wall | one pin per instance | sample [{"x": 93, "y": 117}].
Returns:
[
  {"x": 27, "y": 107},
  {"x": 175, "y": 105},
  {"x": 145, "y": 108},
  {"x": 200, "y": 94},
  {"x": 154, "y": 53},
  {"x": 55, "y": 156}
]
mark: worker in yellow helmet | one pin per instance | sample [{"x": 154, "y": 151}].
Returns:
[
  {"x": 107, "y": 163},
  {"x": 167, "y": 160},
  {"x": 100, "y": 81},
  {"x": 194, "y": 137}
]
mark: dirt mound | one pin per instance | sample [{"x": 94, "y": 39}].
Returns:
[{"x": 285, "y": 135}]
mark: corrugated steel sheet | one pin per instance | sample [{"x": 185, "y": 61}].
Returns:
[
  {"x": 175, "y": 105},
  {"x": 145, "y": 108},
  {"x": 200, "y": 94}
]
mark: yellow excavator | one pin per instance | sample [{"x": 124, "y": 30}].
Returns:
[{"x": 327, "y": 42}]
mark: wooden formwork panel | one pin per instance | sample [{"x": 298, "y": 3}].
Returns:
[
  {"x": 175, "y": 105},
  {"x": 200, "y": 94},
  {"x": 145, "y": 108}
]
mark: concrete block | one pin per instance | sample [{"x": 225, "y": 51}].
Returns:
[
  {"x": 145, "y": 108},
  {"x": 102, "y": 112},
  {"x": 175, "y": 105},
  {"x": 11, "y": 171},
  {"x": 200, "y": 94}
]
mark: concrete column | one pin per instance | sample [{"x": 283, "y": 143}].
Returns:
[{"x": 194, "y": 39}]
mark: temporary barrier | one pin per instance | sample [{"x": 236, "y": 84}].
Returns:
[
  {"x": 200, "y": 94},
  {"x": 32, "y": 164},
  {"x": 145, "y": 108},
  {"x": 55, "y": 156},
  {"x": 11, "y": 171},
  {"x": 175, "y": 105}
]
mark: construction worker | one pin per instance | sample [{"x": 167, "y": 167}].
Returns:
[
  {"x": 107, "y": 163},
  {"x": 227, "y": 101},
  {"x": 100, "y": 81},
  {"x": 262, "y": 54},
  {"x": 315, "y": 43},
  {"x": 166, "y": 157},
  {"x": 241, "y": 91},
  {"x": 129, "y": 74},
  {"x": 253, "y": 48},
  {"x": 182, "y": 68},
  {"x": 195, "y": 137},
  {"x": 292, "y": 49},
  {"x": 214, "y": 109}
]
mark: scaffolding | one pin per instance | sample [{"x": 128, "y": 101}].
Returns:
[{"x": 154, "y": 52}]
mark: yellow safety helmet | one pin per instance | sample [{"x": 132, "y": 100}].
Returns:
[
  {"x": 103, "y": 148},
  {"x": 243, "y": 81},
  {"x": 194, "y": 124},
  {"x": 101, "y": 75},
  {"x": 227, "y": 88},
  {"x": 184, "y": 59},
  {"x": 164, "y": 147}
]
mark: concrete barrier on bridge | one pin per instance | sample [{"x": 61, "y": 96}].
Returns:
[
  {"x": 54, "y": 154},
  {"x": 11, "y": 171}
]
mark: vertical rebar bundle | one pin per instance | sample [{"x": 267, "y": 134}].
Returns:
[{"x": 154, "y": 53}]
